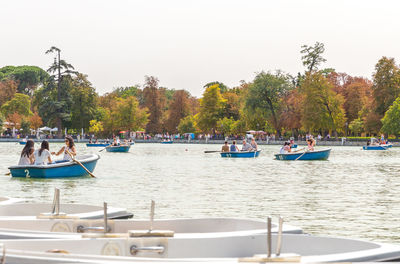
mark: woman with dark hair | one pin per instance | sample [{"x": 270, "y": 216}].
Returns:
[
  {"x": 42, "y": 155},
  {"x": 27, "y": 157},
  {"x": 69, "y": 147}
]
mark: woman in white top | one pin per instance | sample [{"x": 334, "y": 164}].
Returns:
[
  {"x": 42, "y": 155},
  {"x": 27, "y": 157},
  {"x": 70, "y": 146}
]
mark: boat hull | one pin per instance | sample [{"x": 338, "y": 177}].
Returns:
[
  {"x": 377, "y": 147},
  {"x": 22, "y": 142},
  {"x": 118, "y": 149},
  {"x": 314, "y": 155},
  {"x": 97, "y": 144},
  {"x": 57, "y": 170},
  {"x": 244, "y": 154},
  {"x": 167, "y": 142}
]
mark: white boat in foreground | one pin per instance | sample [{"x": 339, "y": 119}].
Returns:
[
  {"x": 226, "y": 249},
  {"x": 32, "y": 211},
  {"x": 74, "y": 228}
]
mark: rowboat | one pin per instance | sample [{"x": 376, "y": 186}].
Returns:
[
  {"x": 185, "y": 248},
  {"x": 35, "y": 211},
  {"x": 22, "y": 228},
  {"x": 294, "y": 146},
  {"x": 377, "y": 147},
  {"x": 59, "y": 169},
  {"x": 118, "y": 148},
  {"x": 97, "y": 144},
  {"x": 22, "y": 142},
  {"x": 241, "y": 154},
  {"x": 167, "y": 142},
  {"x": 307, "y": 155}
]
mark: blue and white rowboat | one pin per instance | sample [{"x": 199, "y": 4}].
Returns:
[
  {"x": 377, "y": 147},
  {"x": 22, "y": 142},
  {"x": 118, "y": 148},
  {"x": 59, "y": 169},
  {"x": 97, "y": 144},
  {"x": 241, "y": 154},
  {"x": 167, "y": 142},
  {"x": 309, "y": 155}
]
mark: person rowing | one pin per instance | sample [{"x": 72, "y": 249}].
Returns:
[
  {"x": 253, "y": 144},
  {"x": 310, "y": 144},
  {"x": 246, "y": 146},
  {"x": 69, "y": 147}
]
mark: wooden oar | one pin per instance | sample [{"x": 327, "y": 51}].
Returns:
[
  {"x": 104, "y": 148},
  {"x": 211, "y": 151},
  {"x": 301, "y": 155},
  {"x": 80, "y": 164},
  {"x": 8, "y": 173}
]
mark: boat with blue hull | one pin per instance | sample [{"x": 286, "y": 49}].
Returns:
[
  {"x": 167, "y": 142},
  {"x": 308, "y": 155},
  {"x": 59, "y": 169},
  {"x": 377, "y": 147},
  {"x": 118, "y": 148},
  {"x": 241, "y": 154},
  {"x": 22, "y": 142},
  {"x": 97, "y": 144}
]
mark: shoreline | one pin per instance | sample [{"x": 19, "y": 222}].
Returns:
[{"x": 213, "y": 142}]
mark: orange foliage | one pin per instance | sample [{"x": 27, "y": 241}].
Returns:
[{"x": 35, "y": 121}]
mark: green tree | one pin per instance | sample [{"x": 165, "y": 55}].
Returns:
[
  {"x": 391, "y": 120},
  {"x": 20, "y": 104},
  {"x": 356, "y": 126},
  {"x": 187, "y": 125},
  {"x": 61, "y": 74},
  {"x": 322, "y": 107},
  {"x": 312, "y": 57},
  {"x": 28, "y": 77},
  {"x": 211, "y": 109},
  {"x": 222, "y": 87},
  {"x": 128, "y": 116},
  {"x": 84, "y": 102},
  {"x": 226, "y": 126},
  {"x": 265, "y": 94}
]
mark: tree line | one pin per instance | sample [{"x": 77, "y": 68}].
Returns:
[{"x": 318, "y": 100}]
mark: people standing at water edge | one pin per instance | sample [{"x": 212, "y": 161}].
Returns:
[
  {"x": 69, "y": 146},
  {"x": 27, "y": 157},
  {"x": 253, "y": 144},
  {"x": 42, "y": 155},
  {"x": 246, "y": 146},
  {"x": 233, "y": 147},
  {"x": 225, "y": 147}
]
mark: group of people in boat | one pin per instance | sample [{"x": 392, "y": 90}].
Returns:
[
  {"x": 42, "y": 155},
  {"x": 377, "y": 142},
  {"x": 287, "y": 146},
  {"x": 252, "y": 146}
]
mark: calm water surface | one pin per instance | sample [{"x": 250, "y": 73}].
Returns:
[{"x": 354, "y": 194}]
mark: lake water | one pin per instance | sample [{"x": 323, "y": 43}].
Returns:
[{"x": 355, "y": 194}]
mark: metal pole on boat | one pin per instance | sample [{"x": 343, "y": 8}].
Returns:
[
  {"x": 269, "y": 238},
  {"x": 56, "y": 202},
  {"x": 279, "y": 241},
  {"x": 152, "y": 214},
  {"x": 105, "y": 217}
]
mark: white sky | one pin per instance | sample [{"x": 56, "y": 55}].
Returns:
[{"x": 187, "y": 43}]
